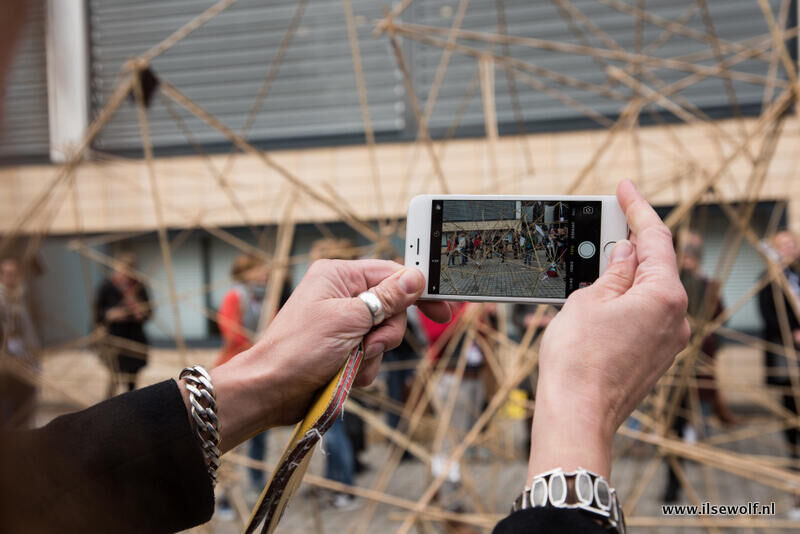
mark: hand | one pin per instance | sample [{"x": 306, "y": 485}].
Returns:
[
  {"x": 138, "y": 309},
  {"x": 608, "y": 346},
  {"x": 308, "y": 341},
  {"x": 116, "y": 314}
]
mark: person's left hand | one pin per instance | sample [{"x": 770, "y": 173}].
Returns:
[{"x": 311, "y": 337}]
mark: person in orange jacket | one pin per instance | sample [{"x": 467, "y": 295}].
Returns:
[
  {"x": 240, "y": 311},
  {"x": 238, "y": 319}
]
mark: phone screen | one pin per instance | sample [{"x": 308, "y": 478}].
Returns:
[{"x": 513, "y": 248}]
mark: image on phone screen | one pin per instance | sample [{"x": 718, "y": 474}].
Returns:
[{"x": 513, "y": 248}]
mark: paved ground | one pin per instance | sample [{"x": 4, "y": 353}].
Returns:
[
  {"x": 493, "y": 277},
  {"x": 79, "y": 378}
]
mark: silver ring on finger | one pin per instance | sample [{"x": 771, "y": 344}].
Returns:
[{"x": 374, "y": 305}]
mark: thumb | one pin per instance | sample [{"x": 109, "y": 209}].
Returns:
[
  {"x": 620, "y": 272},
  {"x": 399, "y": 291}
]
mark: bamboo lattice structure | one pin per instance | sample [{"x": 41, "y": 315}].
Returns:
[{"x": 633, "y": 82}]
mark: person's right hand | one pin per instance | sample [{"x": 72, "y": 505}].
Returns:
[
  {"x": 609, "y": 345},
  {"x": 309, "y": 340}
]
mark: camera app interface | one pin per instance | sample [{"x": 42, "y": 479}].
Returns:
[{"x": 513, "y": 248}]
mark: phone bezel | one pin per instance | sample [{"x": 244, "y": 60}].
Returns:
[{"x": 613, "y": 227}]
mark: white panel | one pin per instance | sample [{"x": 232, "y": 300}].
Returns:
[
  {"x": 67, "y": 76},
  {"x": 187, "y": 263}
]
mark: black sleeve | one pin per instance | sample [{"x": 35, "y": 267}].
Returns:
[
  {"x": 101, "y": 304},
  {"x": 548, "y": 521},
  {"x": 129, "y": 464},
  {"x": 766, "y": 305}
]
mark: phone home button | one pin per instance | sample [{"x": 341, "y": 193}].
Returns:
[
  {"x": 586, "y": 250},
  {"x": 608, "y": 247}
]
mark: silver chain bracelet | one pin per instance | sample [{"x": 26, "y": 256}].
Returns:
[{"x": 204, "y": 415}]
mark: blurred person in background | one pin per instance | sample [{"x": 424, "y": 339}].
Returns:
[
  {"x": 527, "y": 246},
  {"x": 476, "y": 246},
  {"x": 19, "y": 346},
  {"x": 552, "y": 242},
  {"x": 444, "y": 339},
  {"x": 705, "y": 304},
  {"x": 777, "y": 365},
  {"x": 122, "y": 307},
  {"x": 240, "y": 311},
  {"x": 499, "y": 246},
  {"x": 451, "y": 248},
  {"x": 398, "y": 379},
  {"x": 561, "y": 246},
  {"x": 461, "y": 247},
  {"x": 238, "y": 318}
]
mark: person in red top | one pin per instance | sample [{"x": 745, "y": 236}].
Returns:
[
  {"x": 477, "y": 246},
  {"x": 433, "y": 330},
  {"x": 238, "y": 318},
  {"x": 240, "y": 311},
  {"x": 470, "y": 396},
  {"x": 451, "y": 247}
]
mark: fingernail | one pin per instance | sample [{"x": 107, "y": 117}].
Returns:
[
  {"x": 410, "y": 281},
  {"x": 375, "y": 350},
  {"x": 621, "y": 251}
]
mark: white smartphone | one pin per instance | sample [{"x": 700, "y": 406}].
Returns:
[{"x": 511, "y": 248}]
